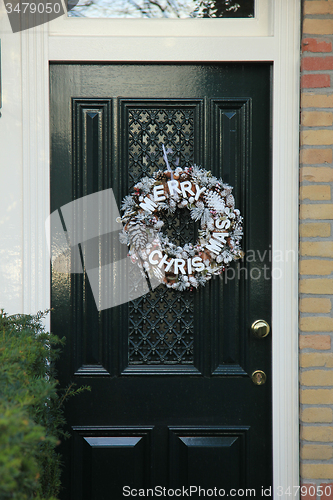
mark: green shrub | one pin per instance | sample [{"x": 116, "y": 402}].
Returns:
[{"x": 31, "y": 409}]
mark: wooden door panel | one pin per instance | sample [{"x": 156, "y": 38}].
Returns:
[
  {"x": 106, "y": 457},
  {"x": 91, "y": 156},
  {"x": 177, "y": 363},
  {"x": 223, "y": 450}
]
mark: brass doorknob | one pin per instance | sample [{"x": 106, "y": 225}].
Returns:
[
  {"x": 260, "y": 328},
  {"x": 258, "y": 377}
]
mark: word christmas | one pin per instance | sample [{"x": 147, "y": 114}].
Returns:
[{"x": 208, "y": 200}]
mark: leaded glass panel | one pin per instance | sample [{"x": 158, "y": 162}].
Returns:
[{"x": 161, "y": 323}]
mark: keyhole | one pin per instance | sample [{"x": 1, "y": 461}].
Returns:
[{"x": 258, "y": 377}]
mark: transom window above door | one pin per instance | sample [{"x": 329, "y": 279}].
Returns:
[{"x": 154, "y": 9}]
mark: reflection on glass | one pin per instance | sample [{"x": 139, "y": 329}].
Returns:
[{"x": 161, "y": 8}]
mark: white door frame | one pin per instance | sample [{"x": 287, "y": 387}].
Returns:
[{"x": 274, "y": 35}]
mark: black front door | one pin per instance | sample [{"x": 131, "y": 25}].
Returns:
[{"x": 172, "y": 403}]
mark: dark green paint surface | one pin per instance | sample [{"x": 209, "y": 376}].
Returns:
[{"x": 187, "y": 416}]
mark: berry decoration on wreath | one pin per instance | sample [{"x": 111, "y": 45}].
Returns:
[{"x": 209, "y": 201}]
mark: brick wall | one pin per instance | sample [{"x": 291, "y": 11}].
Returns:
[{"x": 316, "y": 247}]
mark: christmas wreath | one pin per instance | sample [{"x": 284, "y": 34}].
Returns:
[{"x": 208, "y": 200}]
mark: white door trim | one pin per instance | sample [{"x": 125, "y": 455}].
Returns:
[
  {"x": 279, "y": 44},
  {"x": 35, "y": 168},
  {"x": 260, "y": 25}
]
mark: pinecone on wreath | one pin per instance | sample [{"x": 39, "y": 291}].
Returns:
[
  {"x": 230, "y": 201},
  {"x": 137, "y": 235},
  {"x": 215, "y": 202},
  {"x": 159, "y": 175}
]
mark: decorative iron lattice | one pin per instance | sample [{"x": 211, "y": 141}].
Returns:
[
  {"x": 148, "y": 129},
  {"x": 161, "y": 326}
]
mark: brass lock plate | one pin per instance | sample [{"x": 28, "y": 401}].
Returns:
[
  {"x": 260, "y": 328},
  {"x": 259, "y": 377}
]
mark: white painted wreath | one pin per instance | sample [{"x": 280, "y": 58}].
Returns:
[{"x": 209, "y": 201}]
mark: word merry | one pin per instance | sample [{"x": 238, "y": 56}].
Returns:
[
  {"x": 217, "y": 240},
  {"x": 158, "y": 193}
]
